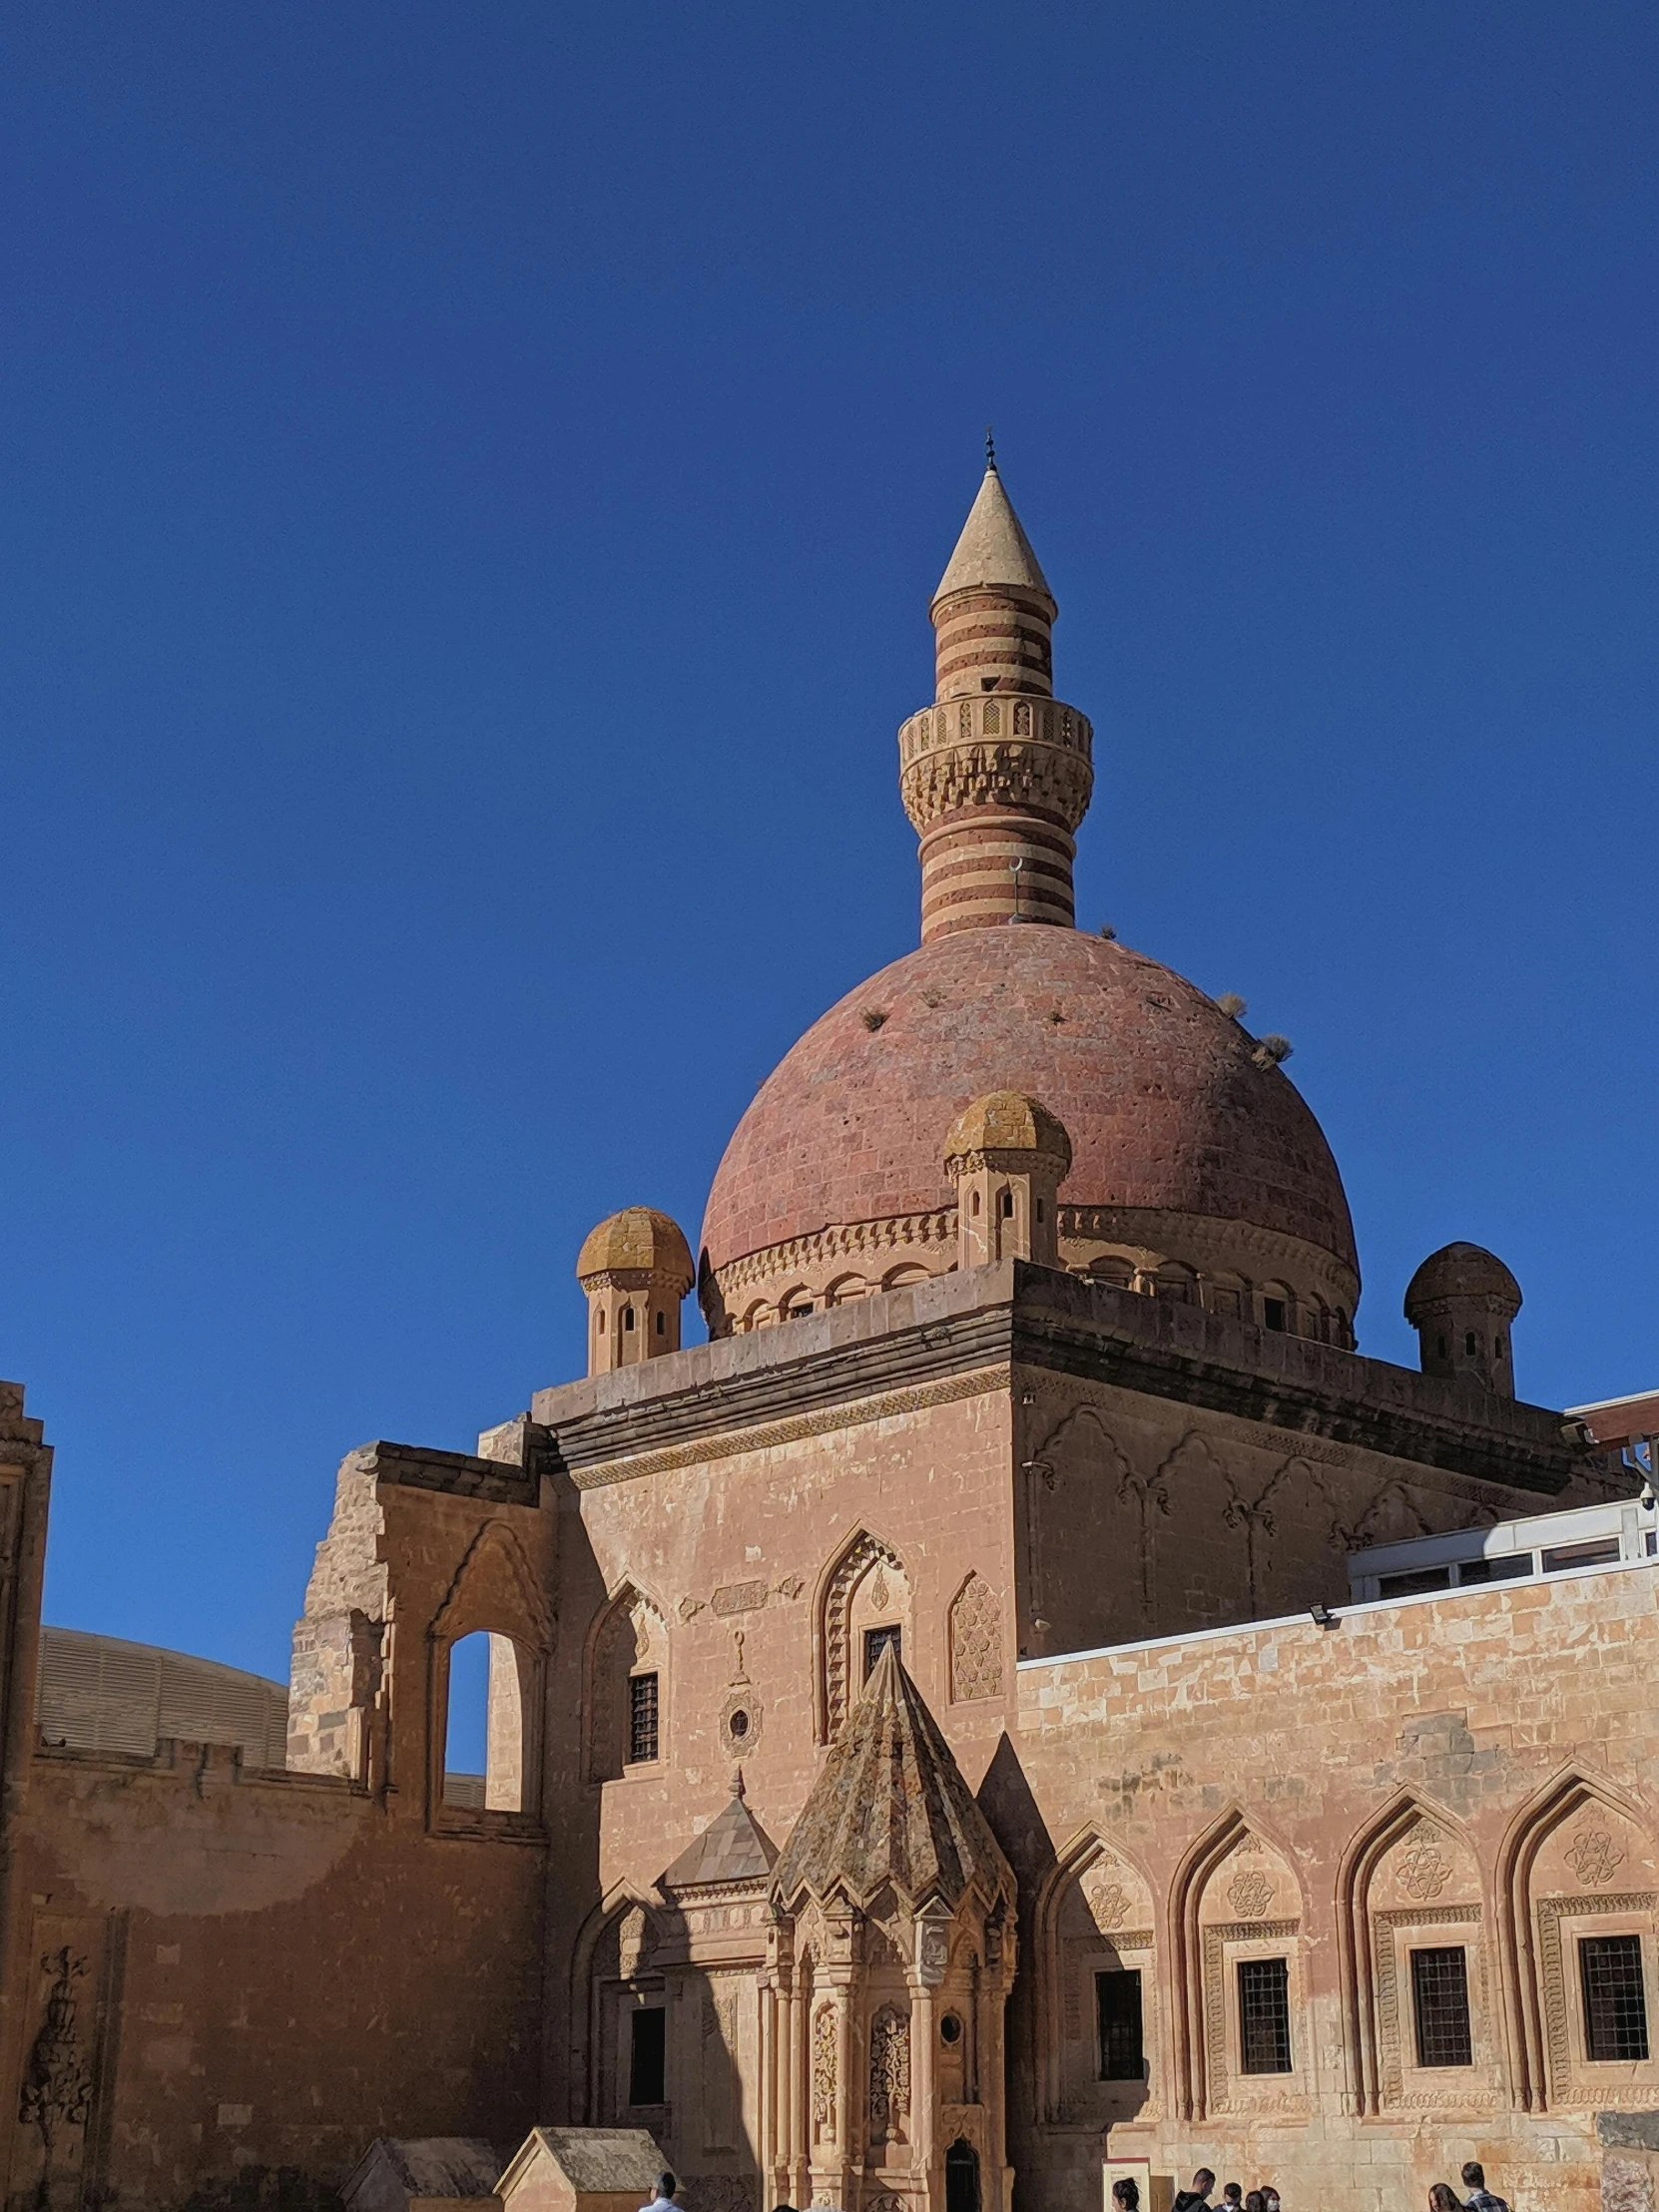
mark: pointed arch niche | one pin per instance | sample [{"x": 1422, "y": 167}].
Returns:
[
  {"x": 625, "y": 1700},
  {"x": 863, "y": 1596},
  {"x": 1580, "y": 1896},
  {"x": 1424, "y": 2027},
  {"x": 1243, "y": 2032},
  {"x": 619, "y": 2045},
  {"x": 1098, "y": 1991}
]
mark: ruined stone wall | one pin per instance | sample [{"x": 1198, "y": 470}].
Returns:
[
  {"x": 227, "y": 1981},
  {"x": 1472, "y": 1770}
]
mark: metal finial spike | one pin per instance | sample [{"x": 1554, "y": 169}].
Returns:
[
  {"x": 990, "y": 450},
  {"x": 737, "y": 1789}
]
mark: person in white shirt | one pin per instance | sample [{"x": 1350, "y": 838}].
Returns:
[{"x": 662, "y": 2201}]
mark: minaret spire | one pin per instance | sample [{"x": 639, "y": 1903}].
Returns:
[{"x": 996, "y": 773}]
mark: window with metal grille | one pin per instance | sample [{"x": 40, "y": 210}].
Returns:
[
  {"x": 1264, "y": 2016},
  {"x": 1615, "y": 2004},
  {"x": 1118, "y": 2002},
  {"x": 641, "y": 1718},
  {"x": 1440, "y": 2001},
  {"x": 877, "y": 1641},
  {"x": 648, "y": 2056}
]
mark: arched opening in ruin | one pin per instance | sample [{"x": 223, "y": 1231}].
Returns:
[{"x": 483, "y": 1743}]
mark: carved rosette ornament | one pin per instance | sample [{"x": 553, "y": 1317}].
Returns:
[
  {"x": 1250, "y": 1893},
  {"x": 1423, "y": 1872},
  {"x": 1594, "y": 1856}
]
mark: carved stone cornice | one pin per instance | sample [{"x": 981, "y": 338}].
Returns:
[
  {"x": 854, "y": 1240},
  {"x": 1040, "y": 779},
  {"x": 1020, "y": 1316}
]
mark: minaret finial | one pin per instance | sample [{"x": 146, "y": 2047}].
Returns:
[{"x": 990, "y": 450}]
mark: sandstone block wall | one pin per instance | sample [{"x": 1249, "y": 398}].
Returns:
[{"x": 1478, "y": 1765}]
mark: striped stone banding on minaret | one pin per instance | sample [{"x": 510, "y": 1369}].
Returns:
[{"x": 997, "y": 774}]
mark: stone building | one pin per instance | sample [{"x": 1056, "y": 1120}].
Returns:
[{"x": 932, "y": 1747}]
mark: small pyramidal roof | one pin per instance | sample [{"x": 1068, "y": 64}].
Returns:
[
  {"x": 732, "y": 1848},
  {"x": 992, "y": 548},
  {"x": 891, "y": 1808}
]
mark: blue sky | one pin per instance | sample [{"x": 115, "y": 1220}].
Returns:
[{"x": 474, "y": 477}]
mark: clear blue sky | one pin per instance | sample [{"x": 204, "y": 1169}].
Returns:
[{"x": 474, "y": 476}]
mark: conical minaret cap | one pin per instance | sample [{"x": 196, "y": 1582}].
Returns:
[
  {"x": 891, "y": 1808},
  {"x": 994, "y": 551}
]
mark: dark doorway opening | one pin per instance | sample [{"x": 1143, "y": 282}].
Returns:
[{"x": 961, "y": 2178}]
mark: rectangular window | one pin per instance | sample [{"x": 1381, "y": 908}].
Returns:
[
  {"x": 1118, "y": 2002},
  {"x": 641, "y": 1718},
  {"x": 1567, "y": 1558},
  {"x": 1615, "y": 2004},
  {"x": 1264, "y": 2016},
  {"x": 877, "y": 1641},
  {"x": 1410, "y": 1585},
  {"x": 648, "y": 2056},
  {"x": 1501, "y": 1567},
  {"x": 1273, "y": 1314},
  {"x": 1440, "y": 2001}
]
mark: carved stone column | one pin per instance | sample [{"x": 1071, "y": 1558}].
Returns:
[
  {"x": 999, "y": 2179},
  {"x": 796, "y": 2092},
  {"x": 932, "y": 1958}
]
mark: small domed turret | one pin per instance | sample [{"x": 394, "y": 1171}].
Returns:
[
  {"x": 636, "y": 1268},
  {"x": 1461, "y": 1302},
  {"x": 1007, "y": 1156}
]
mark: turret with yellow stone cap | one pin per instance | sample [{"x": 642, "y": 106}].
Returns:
[
  {"x": 636, "y": 1269},
  {"x": 1007, "y": 1157}
]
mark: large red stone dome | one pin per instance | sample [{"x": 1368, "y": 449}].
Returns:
[{"x": 1160, "y": 1092}]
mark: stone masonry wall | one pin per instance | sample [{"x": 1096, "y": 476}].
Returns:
[{"x": 1489, "y": 1754}]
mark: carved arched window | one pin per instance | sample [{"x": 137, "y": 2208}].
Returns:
[
  {"x": 1247, "y": 2051},
  {"x": 1419, "y": 1966},
  {"x": 1097, "y": 1990},
  {"x": 627, "y": 1690},
  {"x": 863, "y": 1604},
  {"x": 1583, "y": 1880}
]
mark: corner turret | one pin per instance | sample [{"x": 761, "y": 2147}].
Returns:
[
  {"x": 636, "y": 1269},
  {"x": 1461, "y": 1302}
]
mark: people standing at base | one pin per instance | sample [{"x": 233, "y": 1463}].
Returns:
[
  {"x": 1126, "y": 2195},
  {"x": 1255, "y": 2202},
  {"x": 1232, "y": 2196},
  {"x": 1480, "y": 2198},
  {"x": 1197, "y": 2198},
  {"x": 1270, "y": 2197},
  {"x": 1443, "y": 2198},
  {"x": 662, "y": 2201}
]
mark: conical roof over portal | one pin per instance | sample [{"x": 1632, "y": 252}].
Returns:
[
  {"x": 891, "y": 1808},
  {"x": 732, "y": 1848},
  {"x": 993, "y": 550}
]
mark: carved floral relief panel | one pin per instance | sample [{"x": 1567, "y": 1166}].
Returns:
[{"x": 57, "y": 2158}]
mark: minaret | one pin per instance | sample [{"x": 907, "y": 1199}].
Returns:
[{"x": 996, "y": 773}]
